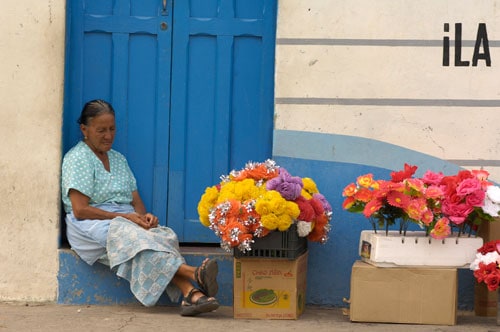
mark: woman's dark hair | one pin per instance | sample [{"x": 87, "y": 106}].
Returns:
[{"x": 94, "y": 108}]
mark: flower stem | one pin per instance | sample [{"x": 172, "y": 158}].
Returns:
[{"x": 373, "y": 225}]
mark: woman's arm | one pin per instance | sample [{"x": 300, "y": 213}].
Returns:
[{"x": 82, "y": 210}]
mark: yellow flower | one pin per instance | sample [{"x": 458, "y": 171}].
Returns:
[
  {"x": 270, "y": 221},
  {"x": 365, "y": 180},
  {"x": 292, "y": 209},
  {"x": 239, "y": 190},
  {"x": 310, "y": 186},
  {"x": 284, "y": 222},
  {"x": 207, "y": 201}
]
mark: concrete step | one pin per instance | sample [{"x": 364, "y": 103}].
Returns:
[{"x": 80, "y": 283}]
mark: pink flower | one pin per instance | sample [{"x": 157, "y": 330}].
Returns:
[
  {"x": 468, "y": 186},
  {"x": 476, "y": 198},
  {"x": 398, "y": 199},
  {"x": 433, "y": 192},
  {"x": 432, "y": 178},
  {"x": 481, "y": 174},
  {"x": 457, "y": 213}
]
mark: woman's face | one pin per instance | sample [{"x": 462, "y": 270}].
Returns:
[{"x": 100, "y": 132}]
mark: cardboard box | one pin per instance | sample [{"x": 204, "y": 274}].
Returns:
[
  {"x": 403, "y": 295},
  {"x": 486, "y": 302},
  {"x": 269, "y": 288},
  {"x": 416, "y": 249}
]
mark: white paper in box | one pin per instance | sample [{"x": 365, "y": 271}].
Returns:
[{"x": 416, "y": 249}]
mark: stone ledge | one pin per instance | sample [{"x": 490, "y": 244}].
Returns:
[{"x": 79, "y": 283}]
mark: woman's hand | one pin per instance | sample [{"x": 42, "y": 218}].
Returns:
[
  {"x": 146, "y": 221},
  {"x": 152, "y": 220}
]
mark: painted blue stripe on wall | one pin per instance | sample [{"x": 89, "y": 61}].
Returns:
[{"x": 354, "y": 150}]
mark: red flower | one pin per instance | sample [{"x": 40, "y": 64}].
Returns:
[
  {"x": 464, "y": 174},
  {"x": 317, "y": 206},
  {"x": 319, "y": 230},
  {"x": 489, "y": 247},
  {"x": 492, "y": 280},
  {"x": 306, "y": 210},
  {"x": 372, "y": 207},
  {"x": 404, "y": 174},
  {"x": 484, "y": 270}
]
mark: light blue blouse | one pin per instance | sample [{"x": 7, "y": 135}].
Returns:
[
  {"x": 82, "y": 170},
  {"x": 111, "y": 191}
]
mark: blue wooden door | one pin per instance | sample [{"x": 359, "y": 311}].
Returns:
[
  {"x": 192, "y": 85},
  {"x": 222, "y": 99}
]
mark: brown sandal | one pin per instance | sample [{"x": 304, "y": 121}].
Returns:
[
  {"x": 206, "y": 277},
  {"x": 201, "y": 305}
]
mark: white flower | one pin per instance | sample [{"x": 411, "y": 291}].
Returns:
[
  {"x": 491, "y": 207},
  {"x": 490, "y": 257},
  {"x": 303, "y": 228},
  {"x": 493, "y": 193}
]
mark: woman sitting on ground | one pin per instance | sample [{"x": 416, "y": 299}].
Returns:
[{"x": 107, "y": 221}]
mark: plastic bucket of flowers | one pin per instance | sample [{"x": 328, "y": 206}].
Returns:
[
  {"x": 263, "y": 211},
  {"x": 446, "y": 209}
]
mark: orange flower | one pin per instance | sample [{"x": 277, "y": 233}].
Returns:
[
  {"x": 441, "y": 229},
  {"x": 349, "y": 190},
  {"x": 259, "y": 172},
  {"x": 416, "y": 208},
  {"x": 363, "y": 195},
  {"x": 427, "y": 217},
  {"x": 348, "y": 202},
  {"x": 365, "y": 180}
]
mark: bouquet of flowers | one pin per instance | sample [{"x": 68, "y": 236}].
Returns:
[
  {"x": 435, "y": 202},
  {"x": 486, "y": 265},
  {"x": 260, "y": 198}
]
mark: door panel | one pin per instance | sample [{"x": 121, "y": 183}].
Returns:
[
  {"x": 117, "y": 51},
  {"x": 222, "y": 99}
]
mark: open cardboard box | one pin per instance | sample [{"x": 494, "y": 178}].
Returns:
[{"x": 403, "y": 295}]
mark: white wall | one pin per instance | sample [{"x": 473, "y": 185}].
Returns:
[
  {"x": 31, "y": 90},
  {"x": 360, "y": 67},
  {"x": 374, "y": 69}
]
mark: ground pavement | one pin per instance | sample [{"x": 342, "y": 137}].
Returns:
[{"x": 129, "y": 318}]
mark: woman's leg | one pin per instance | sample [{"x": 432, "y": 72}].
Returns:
[
  {"x": 185, "y": 275},
  {"x": 195, "y": 301}
]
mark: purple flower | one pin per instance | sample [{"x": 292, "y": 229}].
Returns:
[
  {"x": 323, "y": 201},
  {"x": 290, "y": 187}
]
